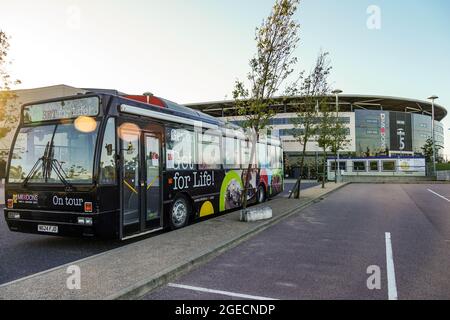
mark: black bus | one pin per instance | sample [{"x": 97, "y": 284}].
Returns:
[{"x": 114, "y": 166}]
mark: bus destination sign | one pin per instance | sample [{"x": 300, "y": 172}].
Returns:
[{"x": 68, "y": 109}]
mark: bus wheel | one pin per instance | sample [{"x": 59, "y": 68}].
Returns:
[
  {"x": 261, "y": 194},
  {"x": 179, "y": 215}
]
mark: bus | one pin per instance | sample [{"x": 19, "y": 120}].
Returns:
[{"x": 114, "y": 166}]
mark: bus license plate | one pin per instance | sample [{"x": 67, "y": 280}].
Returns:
[{"x": 48, "y": 229}]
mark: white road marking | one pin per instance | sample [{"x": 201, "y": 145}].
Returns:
[
  {"x": 392, "y": 285},
  {"x": 224, "y": 293},
  {"x": 437, "y": 194}
]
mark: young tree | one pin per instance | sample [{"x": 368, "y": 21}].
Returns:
[
  {"x": 326, "y": 135},
  {"x": 340, "y": 141},
  {"x": 276, "y": 39},
  {"x": 8, "y": 113},
  {"x": 313, "y": 90},
  {"x": 428, "y": 150}
]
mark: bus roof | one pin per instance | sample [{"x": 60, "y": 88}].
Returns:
[
  {"x": 152, "y": 103},
  {"x": 164, "y": 105}
]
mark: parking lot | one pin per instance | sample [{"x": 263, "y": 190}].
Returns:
[{"x": 325, "y": 251}]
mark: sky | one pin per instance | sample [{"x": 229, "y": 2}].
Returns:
[{"x": 194, "y": 50}]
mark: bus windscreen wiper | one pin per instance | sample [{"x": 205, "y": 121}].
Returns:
[
  {"x": 37, "y": 166},
  {"x": 48, "y": 164},
  {"x": 54, "y": 164}
]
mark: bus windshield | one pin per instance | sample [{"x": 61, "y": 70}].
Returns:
[{"x": 71, "y": 152}]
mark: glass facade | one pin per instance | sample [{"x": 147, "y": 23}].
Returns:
[
  {"x": 381, "y": 132},
  {"x": 289, "y": 121},
  {"x": 372, "y": 133},
  {"x": 421, "y": 132}
]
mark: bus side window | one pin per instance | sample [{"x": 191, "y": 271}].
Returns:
[
  {"x": 229, "y": 153},
  {"x": 108, "y": 159},
  {"x": 262, "y": 155},
  {"x": 208, "y": 147},
  {"x": 271, "y": 156}
]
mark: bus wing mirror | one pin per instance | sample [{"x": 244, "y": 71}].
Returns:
[
  {"x": 109, "y": 149},
  {"x": 130, "y": 148}
]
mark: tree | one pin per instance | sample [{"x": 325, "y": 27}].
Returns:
[
  {"x": 428, "y": 150},
  {"x": 276, "y": 39},
  {"x": 8, "y": 113},
  {"x": 326, "y": 131},
  {"x": 340, "y": 141},
  {"x": 313, "y": 90}
]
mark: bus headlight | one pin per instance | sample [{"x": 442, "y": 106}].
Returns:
[
  {"x": 85, "y": 221},
  {"x": 13, "y": 215}
]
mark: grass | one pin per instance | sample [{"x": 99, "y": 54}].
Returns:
[{"x": 443, "y": 166}]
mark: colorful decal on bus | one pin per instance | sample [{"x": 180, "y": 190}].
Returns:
[
  {"x": 207, "y": 209},
  {"x": 231, "y": 191}
]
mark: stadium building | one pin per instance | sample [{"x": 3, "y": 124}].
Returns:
[{"x": 377, "y": 127}]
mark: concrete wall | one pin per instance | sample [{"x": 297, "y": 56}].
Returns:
[
  {"x": 31, "y": 95},
  {"x": 362, "y": 179},
  {"x": 404, "y": 167}
]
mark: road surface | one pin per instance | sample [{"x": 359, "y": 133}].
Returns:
[{"x": 326, "y": 251}]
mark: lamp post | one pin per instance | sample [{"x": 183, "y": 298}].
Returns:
[
  {"x": 336, "y": 92},
  {"x": 432, "y": 98}
]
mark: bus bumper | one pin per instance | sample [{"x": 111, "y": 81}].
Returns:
[{"x": 36, "y": 223}]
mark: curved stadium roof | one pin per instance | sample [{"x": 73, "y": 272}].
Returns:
[{"x": 346, "y": 103}]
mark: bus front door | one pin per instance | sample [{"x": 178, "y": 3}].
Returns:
[{"x": 140, "y": 181}]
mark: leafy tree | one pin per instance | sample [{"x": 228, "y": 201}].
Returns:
[
  {"x": 428, "y": 150},
  {"x": 326, "y": 131},
  {"x": 276, "y": 39},
  {"x": 340, "y": 141},
  {"x": 313, "y": 90},
  {"x": 8, "y": 113}
]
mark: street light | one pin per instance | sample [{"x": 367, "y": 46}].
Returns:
[
  {"x": 336, "y": 92},
  {"x": 432, "y": 98}
]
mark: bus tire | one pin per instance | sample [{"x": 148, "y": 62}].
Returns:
[
  {"x": 179, "y": 213},
  {"x": 261, "y": 193}
]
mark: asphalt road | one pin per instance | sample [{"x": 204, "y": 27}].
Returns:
[
  {"x": 24, "y": 254},
  {"x": 324, "y": 252}
]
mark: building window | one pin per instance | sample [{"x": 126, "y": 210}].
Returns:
[
  {"x": 359, "y": 166},
  {"x": 333, "y": 166},
  {"x": 388, "y": 165},
  {"x": 373, "y": 165},
  {"x": 342, "y": 166},
  {"x": 344, "y": 120}
]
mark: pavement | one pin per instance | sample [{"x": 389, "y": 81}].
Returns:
[
  {"x": 325, "y": 252},
  {"x": 134, "y": 269},
  {"x": 290, "y": 183}
]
